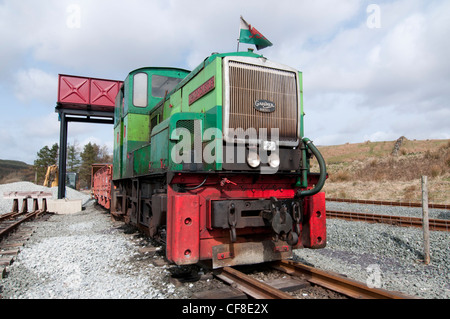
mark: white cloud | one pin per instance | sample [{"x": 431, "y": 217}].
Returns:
[
  {"x": 35, "y": 84},
  {"x": 359, "y": 83}
]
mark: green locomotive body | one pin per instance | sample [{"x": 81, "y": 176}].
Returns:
[{"x": 214, "y": 160}]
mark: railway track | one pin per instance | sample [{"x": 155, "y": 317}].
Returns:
[
  {"x": 12, "y": 221},
  {"x": 345, "y": 286},
  {"x": 335, "y": 282},
  {"x": 404, "y": 221},
  {"x": 387, "y": 203},
  {"x": 11, "y": 237}
]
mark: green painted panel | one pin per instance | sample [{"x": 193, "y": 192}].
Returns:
[
  {"x": 174, "y": 105},
  {"x": 159, "y": 146},
  {"x": 137, "y": 128},
  {"x": 117, "y": 156},
  {"x": 210, "y": 99},
  {"x": 213, "y": 143},
  {"x": 141, "y": 160},
  {"x": 118, "y": 108},
  {"x": 135, "y": 135}
]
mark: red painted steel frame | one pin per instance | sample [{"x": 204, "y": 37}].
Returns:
[
  {"x": 102, "y": 186},
  {"x": 190, "y": 236}
]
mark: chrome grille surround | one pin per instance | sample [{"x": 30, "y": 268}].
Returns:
[{"x": 247, "y": 80}]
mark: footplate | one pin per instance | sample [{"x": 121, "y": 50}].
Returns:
[{"x": 249, "y": 253}]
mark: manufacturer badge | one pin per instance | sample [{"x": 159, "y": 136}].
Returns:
[{"x": 265, "y": 106}]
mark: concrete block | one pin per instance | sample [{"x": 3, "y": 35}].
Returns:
[{"x": 64, "y": 206}]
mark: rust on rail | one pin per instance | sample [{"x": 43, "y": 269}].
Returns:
[
  {"x": 13, "y": 226},
  {"x": 346, "y": 286},
  {"x": 249, "y": 285}
]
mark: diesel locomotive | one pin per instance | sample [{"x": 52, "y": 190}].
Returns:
[{"x": 214, "y": 162}]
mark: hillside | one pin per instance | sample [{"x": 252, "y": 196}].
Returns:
[
  {"x": 15, "y": 171},
  {"x": 381, "y": 171}
]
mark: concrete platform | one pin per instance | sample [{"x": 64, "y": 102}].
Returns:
[{"x": 64, "y": 206}]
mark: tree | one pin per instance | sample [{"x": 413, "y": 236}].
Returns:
[
  {"x": 45, "y": 158},
  {"x": 88, "y": 157},
  {"x": 103, "y": 155},
  {"x": 73, "y": 158}
]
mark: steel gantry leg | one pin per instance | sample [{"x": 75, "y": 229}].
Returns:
[{"x": 62, "y": 156}]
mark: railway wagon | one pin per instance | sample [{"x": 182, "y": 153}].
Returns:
[
  {"x": 214, "y": 162},
  {"x": 101, "y": 184}
]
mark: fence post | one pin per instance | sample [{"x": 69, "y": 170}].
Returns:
[{"x": 426, "y": 230}]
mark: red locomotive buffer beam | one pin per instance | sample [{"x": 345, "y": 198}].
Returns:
[
  {"x": 197, "y": 229},
  {"x": 78, "y": 92}
]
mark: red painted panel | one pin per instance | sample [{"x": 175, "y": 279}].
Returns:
[
  {"x": 314, "y": 232},
  {"x": 103, "y": 92},
  {"x": 73, "y": 89},
  {"x": 183, "y": 234},
  {"x": 79, "y": 92}
]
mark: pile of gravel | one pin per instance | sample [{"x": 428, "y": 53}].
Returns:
[{"x": 6, "y": 204}]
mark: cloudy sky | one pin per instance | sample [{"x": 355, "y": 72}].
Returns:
[{"x": 373, "y": 70}]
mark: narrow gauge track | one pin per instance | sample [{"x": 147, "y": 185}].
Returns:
[
  {"x": 9, "y": 243},
  {"x": 335, "y": 282},
  {"x": 10, "y": 237},
  {"x": 259, "y": 290},
  {"x": 404, "y": 221},
  {"x": 387, "y": 203},
  {"x": 10, "y": 221},
  {"x": 250, "y": 286}
]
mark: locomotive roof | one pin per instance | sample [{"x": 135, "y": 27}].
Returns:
[{"x": 200, "y": 67}]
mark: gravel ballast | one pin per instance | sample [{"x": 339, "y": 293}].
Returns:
[
  {"x": 385, "y": 256},
  {"x": 85, "y": 255}
]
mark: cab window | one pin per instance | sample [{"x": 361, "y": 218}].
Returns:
[
  {"x": 140, "y": 89},
  {"x": 162, "y": 84}
]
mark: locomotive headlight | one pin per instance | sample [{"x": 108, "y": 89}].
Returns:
[
  {"x": 253, "y": 159},
  {"x": 274, "y": 160}
]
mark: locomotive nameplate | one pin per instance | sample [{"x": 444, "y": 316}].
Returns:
[
  {"x": 202, "y": 90},
  {"x": 264, "y": 106}
]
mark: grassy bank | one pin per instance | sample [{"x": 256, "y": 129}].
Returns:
[{"x": 371, "y": 170}]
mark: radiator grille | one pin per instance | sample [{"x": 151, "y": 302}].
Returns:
[{"x": 250, "y": 83}]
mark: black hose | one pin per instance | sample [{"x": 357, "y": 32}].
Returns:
[
  {"x": 323, "y": 171},
  {"x": 195, "y": 187}
]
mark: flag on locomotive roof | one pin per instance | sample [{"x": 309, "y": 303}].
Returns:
[{"x": 249, "y": 34}]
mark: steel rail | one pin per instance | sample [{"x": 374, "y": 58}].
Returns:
[
  {"x": 10, "y": 228},
  {"x": 10, "y": 215},
  {"x": 387, "y": 203},
  {"x": 346, "y": 286},
  {"x": 249, "y": 285},
  {"x": 403, "y": 221}
]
